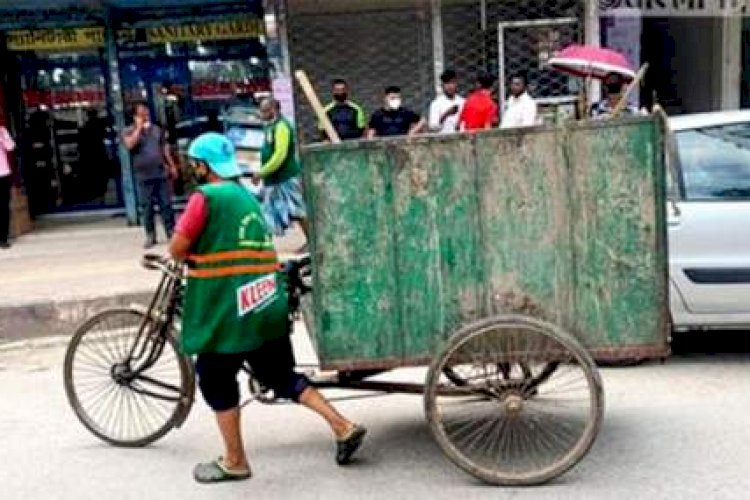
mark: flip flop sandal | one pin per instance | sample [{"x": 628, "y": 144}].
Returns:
[
  {"x": 347, "y": 446},
  {"x": 217, "y": 472}
]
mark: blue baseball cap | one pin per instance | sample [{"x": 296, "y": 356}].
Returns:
[{"x": 218, "y": 152}]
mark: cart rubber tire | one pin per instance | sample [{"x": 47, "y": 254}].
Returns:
[
  {"x": 173, "y": 417},
  {"x": 568, "y": 357}
]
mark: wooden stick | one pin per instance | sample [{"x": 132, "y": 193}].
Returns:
[
  {"x": 312, "y": 98},
  {"x": 633, "y": 85}
]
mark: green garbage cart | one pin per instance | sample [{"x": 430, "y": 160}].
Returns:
[{"x": 507, "y": 262}]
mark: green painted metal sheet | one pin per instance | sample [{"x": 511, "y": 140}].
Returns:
[{"x": 414, "y": 238}]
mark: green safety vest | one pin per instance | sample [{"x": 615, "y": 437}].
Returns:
[
  {"x": 236, "y": 297},
  {"x": 291, "y": 166}
]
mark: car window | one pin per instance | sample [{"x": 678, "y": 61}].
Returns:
[
  {"x": 673, "y": 187},
  {"x": 715, "y": 162}
]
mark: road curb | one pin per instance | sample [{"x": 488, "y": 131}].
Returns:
[
  {"x": 33, "y": 344},
  {"x": 28, "y": 324}
]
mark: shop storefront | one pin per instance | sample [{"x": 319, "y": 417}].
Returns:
[{"x": 192, "y": 71}]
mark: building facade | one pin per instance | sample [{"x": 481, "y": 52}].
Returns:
[{"x": 71, "y": 70}]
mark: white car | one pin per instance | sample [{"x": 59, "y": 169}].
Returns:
[{"x": 708, "y": 216}]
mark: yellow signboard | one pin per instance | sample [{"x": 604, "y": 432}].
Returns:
[
  {"x": 93, "y": 37},
  {"x": 236, "y": 29},
  {"x": 56, "y": 39}
]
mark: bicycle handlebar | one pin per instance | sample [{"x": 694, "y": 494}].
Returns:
[{"x": 155, "y": 262}]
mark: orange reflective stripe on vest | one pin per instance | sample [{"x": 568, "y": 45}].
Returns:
[
  {"x": 213, "y": 258},
  {"x": 222, "y": 272},
  {"x": 229, "y": 263}
]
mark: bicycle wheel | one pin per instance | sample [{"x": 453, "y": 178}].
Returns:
[
  {"x": 127, "y": 389},
  {"x": 527, "y": 406}
]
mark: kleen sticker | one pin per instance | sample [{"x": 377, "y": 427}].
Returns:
[{"x": 256, "y": 295}]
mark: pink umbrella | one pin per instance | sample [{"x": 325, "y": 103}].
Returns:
[{"x": 595, "y": 62}]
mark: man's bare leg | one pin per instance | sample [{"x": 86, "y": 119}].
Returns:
[
  {"x": 304, "y": 224},
  {"x": 229, "y": 425},
  {"x": 313, "y": 399}
]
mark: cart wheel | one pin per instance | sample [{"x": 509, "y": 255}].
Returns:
[{"x": 514, "y": 401}]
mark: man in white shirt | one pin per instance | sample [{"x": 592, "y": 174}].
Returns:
[
  {"x": 446, "y": 108},
  {"x": 520, "y": 108}
]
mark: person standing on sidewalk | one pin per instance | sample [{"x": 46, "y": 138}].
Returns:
[
  {"x": 236, "y": 307},
  {"x": 280, "y": 172},
  {"x": 153, "y": 167},
  {"x": 6, "y": 182},
  {"x": 446, "y": 108}
]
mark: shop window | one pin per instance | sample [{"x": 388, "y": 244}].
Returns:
[
  {"x": 195, "y": 86},
  {"x": 68, "y": 148}
]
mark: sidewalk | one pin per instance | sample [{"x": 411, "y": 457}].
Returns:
[{"x": 56, "y": 277}]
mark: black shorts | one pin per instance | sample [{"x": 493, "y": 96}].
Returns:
[{"x": 272, "y": 364}]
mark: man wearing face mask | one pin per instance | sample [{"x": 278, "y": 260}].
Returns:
[
  {"x": 347, "y": 117},
  {"x": 393, "y": 119},
  {"x": 613, "y": 86}
]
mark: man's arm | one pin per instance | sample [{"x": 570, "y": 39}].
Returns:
[
  {"x": 371, "y": 132},
  {"x": 132, "y": 136},
  {"x": 494, "y": 116},
  {"x": 361, "y": 118},
  {"x": 282, "y": 141},
  {"x": 418, "y": 124},
  {"x": 179, "y": 247},
  {"x": 189, "y": 227}
]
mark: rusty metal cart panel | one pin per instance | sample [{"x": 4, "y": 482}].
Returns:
[{"x": 415, "y": 238}]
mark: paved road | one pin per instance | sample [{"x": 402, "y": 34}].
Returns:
[{"x": 678, "y": 430}]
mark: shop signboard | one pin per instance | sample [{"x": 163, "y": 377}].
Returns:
[{"x": 93, "y": 36}]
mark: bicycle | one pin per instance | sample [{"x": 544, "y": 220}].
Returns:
[{"x": 125, "y": 377}]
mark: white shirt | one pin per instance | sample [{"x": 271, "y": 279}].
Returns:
[
  {"x": 440, "y": 105},
  {"x": 519, "y": 112}
]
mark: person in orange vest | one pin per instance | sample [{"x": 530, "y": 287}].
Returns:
[{"x": 236, "y": 307}]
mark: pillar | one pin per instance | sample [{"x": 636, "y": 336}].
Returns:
[
  {"x": 728, "y": 64},
  {"x": 592, "y": 36},
  {"x": 438, "y": 50},
  {"x": 117, "y": 108}
]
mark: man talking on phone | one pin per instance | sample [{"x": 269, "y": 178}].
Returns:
[{"x": 152, "y": 166}]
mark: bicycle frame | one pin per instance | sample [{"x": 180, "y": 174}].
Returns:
[
  {"x": 165, "y": 306},
  {"x": 148, "y": 345}
]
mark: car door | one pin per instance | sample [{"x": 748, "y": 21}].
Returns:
[{"x": 709, "y": 227}]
